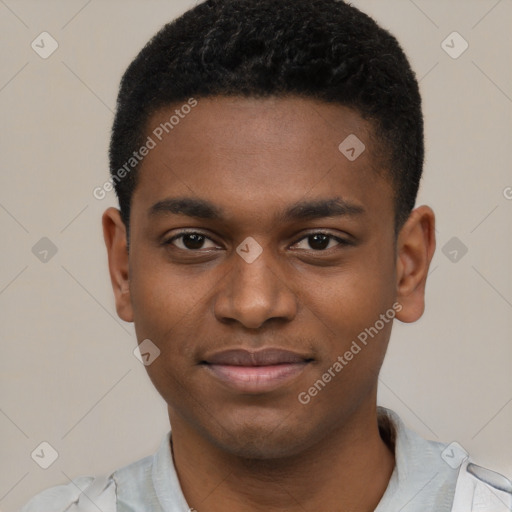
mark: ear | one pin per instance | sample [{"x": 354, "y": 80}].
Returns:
[
  {"x": 415, "y": 247},
  {"x": 114, "y": 234}
]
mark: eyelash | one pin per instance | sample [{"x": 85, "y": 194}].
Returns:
[{"x": 341, "y": 242}]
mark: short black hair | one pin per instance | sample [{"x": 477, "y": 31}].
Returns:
[{"x": 320, "y": 49}]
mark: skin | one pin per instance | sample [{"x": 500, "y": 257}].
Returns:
[{"x": 253, "y": 158}]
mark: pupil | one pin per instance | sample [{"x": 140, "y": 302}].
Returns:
[
  {"x": 319, "y": 241},
  {"x": 196, "y": 241}
]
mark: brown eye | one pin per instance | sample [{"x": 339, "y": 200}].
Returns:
[
  {"x": 320, "y": 242},
  {"x": 190, "y": 241}
]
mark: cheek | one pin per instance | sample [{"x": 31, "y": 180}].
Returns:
[
  {"x": 161, "y": 295},
  {"x": 164, "y": 311},
  {"x": 353, "y": 297},
  {"x": 347, "y": 308},
  {"x": 171, "y": 309}
]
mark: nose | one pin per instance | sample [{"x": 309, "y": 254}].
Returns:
[{"x": 254, "y": 293}]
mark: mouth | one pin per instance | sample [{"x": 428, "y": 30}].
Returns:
[{"x": 256, "y": 372}]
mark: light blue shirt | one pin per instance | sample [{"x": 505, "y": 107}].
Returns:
[{"x": 424, "y": 479}]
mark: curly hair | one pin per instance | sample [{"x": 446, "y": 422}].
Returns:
[{"x": 320, "y": 49}]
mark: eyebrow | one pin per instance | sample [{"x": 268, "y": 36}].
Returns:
[{"x": 301, "y": 210}]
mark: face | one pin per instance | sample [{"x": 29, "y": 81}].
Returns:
[{"x": 259, "y": 256}]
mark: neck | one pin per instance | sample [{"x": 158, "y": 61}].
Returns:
[{"x": 349, "y": 469}]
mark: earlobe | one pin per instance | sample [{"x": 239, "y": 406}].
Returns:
[
  {"x": 114, "y": 234},
  {"x": 415, "y": 249}
]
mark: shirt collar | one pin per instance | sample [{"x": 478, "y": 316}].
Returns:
[{"x": 416, "y": 461}]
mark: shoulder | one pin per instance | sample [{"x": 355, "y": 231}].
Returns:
[
  {"x": 481, "y": 489},
  {"x": 455, "y": 481},
  {"x": 76, "y": 496},
  {"x": 131, "y": 483}
]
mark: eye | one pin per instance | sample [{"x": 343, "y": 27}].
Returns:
[
  {"x": 190, "y": 241},
  {"x": 320, "y": 241},
  {"x": 193, "y": 241}
]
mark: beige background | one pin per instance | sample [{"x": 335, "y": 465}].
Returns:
[{"x": 68, "y": 373}]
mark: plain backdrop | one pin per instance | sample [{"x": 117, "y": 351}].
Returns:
[{"x": 69, "y": 376}]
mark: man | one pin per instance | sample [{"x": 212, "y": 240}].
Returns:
[{"x": 267, "y": 156}]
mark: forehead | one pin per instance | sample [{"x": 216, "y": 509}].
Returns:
[{"x": 260, "y": 153}]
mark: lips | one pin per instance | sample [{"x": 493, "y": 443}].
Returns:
[
  {"x": 255, "y": 371},
  {"x": 266, "y": 357}
]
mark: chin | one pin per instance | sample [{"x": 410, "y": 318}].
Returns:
[
  {"x": 255, "y": 447},
  {"x": 257, "y": 440}
]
